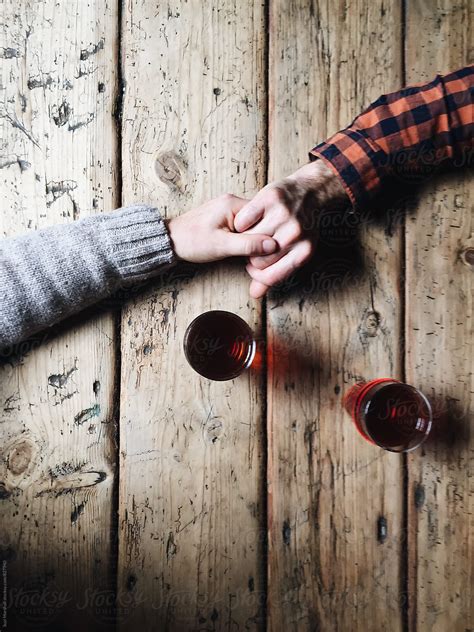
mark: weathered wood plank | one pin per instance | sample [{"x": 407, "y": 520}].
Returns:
[
  {"x": 440, "y": 350},
  {"x": 191, "y": 511},
  {"x": 335, "y": 503},
  {"x": 57, "y": 163}
]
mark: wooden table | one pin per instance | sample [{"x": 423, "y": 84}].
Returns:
[{"x": 252, "y": 503}]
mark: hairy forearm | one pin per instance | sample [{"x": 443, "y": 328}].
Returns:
[{"x": 321, "y": 181}]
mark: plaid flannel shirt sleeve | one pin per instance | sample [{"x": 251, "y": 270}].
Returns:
[{"x": 409, "y": 133}]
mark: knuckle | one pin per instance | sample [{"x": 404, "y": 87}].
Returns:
[
  {"x": 252, "y": 208},
  {"x": 258, "y": 262},
  {"x": 269, "y": 278},
  {"x": 226, "y": 197},
  {"x": 249, "y": 248},
  {"x": 275, "y": 194},
  {"x": 281, "y": 213},
  {"x": 295, "y": 230}
]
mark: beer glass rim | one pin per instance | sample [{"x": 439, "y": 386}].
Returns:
[
  {"x": 250, "y": 354},
  {"x": 386, "y": 382}
]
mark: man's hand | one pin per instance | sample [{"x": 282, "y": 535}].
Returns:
[
  {"x": 287, "y": 211},
  {"x": 207, "y": 233}
]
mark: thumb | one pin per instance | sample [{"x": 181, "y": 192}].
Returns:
[{"x": 248, "y": 245}]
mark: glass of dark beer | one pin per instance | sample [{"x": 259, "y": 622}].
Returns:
[
  {"x": 390, "y": 414},
  {"x": 219, "y": 345}
]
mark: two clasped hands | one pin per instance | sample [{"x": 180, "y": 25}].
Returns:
[
  {"x": 275, "y": 230},
  {"x": 420, "y": 129},
  {"x": 49, "y": 274}
]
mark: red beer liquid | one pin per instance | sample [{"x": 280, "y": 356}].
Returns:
[
  {"x": 390, "y": 414},
  {"x": 219, "y": 345}
]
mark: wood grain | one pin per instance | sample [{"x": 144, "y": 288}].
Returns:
[
  {"x": 57, "y": 454},
  {"x": 440, "y": 352},
  {"x": 335, "y": 502},
  {"x": 192, "y": 499},
  {"x": 191, "y": 496}
]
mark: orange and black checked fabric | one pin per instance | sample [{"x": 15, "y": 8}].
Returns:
[{"x": 407, "y": 134}]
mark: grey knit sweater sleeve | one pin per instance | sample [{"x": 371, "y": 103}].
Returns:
[{"x": 52, "y": 273}]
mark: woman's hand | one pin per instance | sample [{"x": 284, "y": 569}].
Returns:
[
  {"x": 207, "y": 233},
  {"x": 287, "y": 211}
]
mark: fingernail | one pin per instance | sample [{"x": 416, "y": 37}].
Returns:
[{"x": 268, "y": 246}]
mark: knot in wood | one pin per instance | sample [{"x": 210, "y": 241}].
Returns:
[
  {"x": 20, "y": 457},
  {"x": 372, "y": 323},
  {"x": 170, "y": 168},
  {"x": 467, "y": 256}
]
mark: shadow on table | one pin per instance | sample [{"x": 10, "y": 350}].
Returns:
[
  {"x": 338, "y": 265},
  {"x": 451, "y": 425},
  {"x": 287, "y": 361}
]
